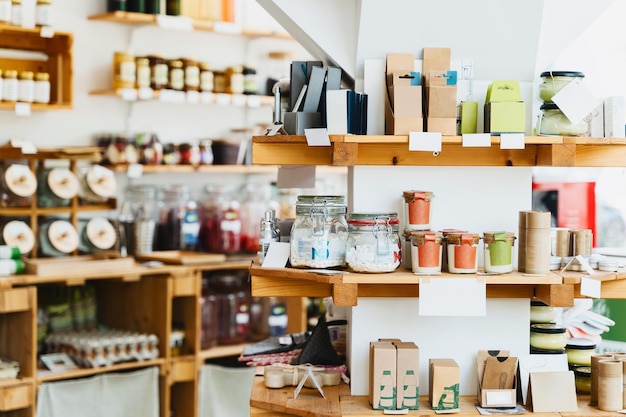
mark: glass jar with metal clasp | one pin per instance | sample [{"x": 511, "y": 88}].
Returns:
[
  {"x": 319, "y": 232},
  {"x": 373, "y": 243}
]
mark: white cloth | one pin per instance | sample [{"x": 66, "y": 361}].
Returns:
[
  {"x": 106, "y": 395},
  {"x": 225, "y": 392}
]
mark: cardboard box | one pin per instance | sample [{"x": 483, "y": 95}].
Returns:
[
  {"x": 407, "y": 364},
  {"x": 443, "y": 383},
  {"x": 445, "y": 125},
  {"x": 504, "y": 90},
  {"x": 403, "y": 101},
  {"x": 382, "y": 377},
  {"x": 436, "y": 59},
  {"x": 497, "y": 379},
  {"x": 505, "y": 117},
  {"x": 441, "y": 101}
]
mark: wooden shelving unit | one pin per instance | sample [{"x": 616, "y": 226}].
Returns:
[
  {"x": 133, "y": 18},
  {"x": 58, "y": 62},
  {"x": 224, "y": 99},
  {"x": 386, "y": 150}
]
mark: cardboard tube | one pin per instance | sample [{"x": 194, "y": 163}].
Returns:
[{"x": 593, "y": 399}]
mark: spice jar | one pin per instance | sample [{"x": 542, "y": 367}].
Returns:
[
  {"x": 219, "y": 82},
  {"x": 547, "y": 336},
  {"x": 234, "y": 80},
  {"x": 498, "y": 252},
  {"x": 426, "y": 252},
  {"x": 319, "y": 232},
  {"x": 220, "y": 222},
  {"x": 96, "y": 235},
  {"x": 96, "y": 184},
  {"x": 124, "y": 70},
  {"x": 192, "y": 74},
  {"x": 554, "y": 81},
  {"x": 462, "y": 251},
  {"x": 57, "y": 187},
  {"x": 142, "y": 69},
  {"x": 16, "y": 12},
  {"x": 189, "y": 153},
  {"x": 18, "y": 184},
  {"x": 171, "y": 156},
  {"x": 57, "y": 238},
  {"x": 17, "y": 233},
  {"x": 206, "y": 77},
  {"x": 373, "y": 243},
  {"x": 42, "y": 88},
  {"x": 159, "y": 72},
  {"x": 176, "y": 75},
  {"x": 579, "y": 351},
  {"x": 417, "y": 209},
  {"x": 43, "y": 13},
  {"x": 10, "y": 85},
  {"x": 250, "y": 81},
  {"x": 26, "y": 87},
  {"x": 552, "y": 121},
  {"x": 5, "y": 11}
]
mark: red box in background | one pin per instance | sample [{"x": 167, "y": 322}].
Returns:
[{"x": 572, "y": 204}]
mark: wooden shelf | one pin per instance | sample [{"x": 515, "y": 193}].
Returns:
[
  {"x": 220, "y": 169},
  {"x": 387, "y": 150},
  {"x": 222, "y": 351},
  {"x": 47, "y": 376},
  {"x": 222, "y": 99},
  {"x": 346, "y": 288},
  {"x": 133, "y": 18}
]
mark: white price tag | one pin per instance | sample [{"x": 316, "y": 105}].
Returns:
[
  {"x": 22, "y": 109},
  {"x": 174, "y": 22},
  {"x": 167, "y": 96},
  {"x": 226, "y": 27},
  {"x": 425, "y": 141},
  {"x": 475, "y": 140},
  {"x": 222, "y": 99},
  {"x": 254, "y": 101},
  {"x": 239, "y": 100},
  {"x": 145, "y": 93},
  {"x": 128, "y": 94},
  {"x": 590, "y": 287},
  {"x": 134, "y": 171},
  {"x": 512, "y": 141},
  {"x": 193, "y": 97},
  {"x": 46, "y": 32},
  {"x": 206, "y": 97}
]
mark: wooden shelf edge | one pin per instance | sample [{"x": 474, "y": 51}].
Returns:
[
  {"x": 38, "y": 107},
  {"x": 83, "y": 372},
  {"x": 222, "y": 351},
  {"x": 235, "y": 100}
]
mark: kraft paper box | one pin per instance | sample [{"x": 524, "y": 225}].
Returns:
[
  {"x": 443, "y": 383},
  {"x": 497, "y": 378},
  {"x": 445, "y": 125},
  {"x": 441, "y": 101},
  {"x": 505, "y": 117},
  {"x": 408, "y": 391},
  {"x": 403, "y": 101},
  {"x": 382, "y": 383},
  {"x": 436, "y": 59}
]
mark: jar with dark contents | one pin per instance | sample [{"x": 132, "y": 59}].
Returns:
[
  {"x": 192, "y": 74},
  {"x": 233, "y": 305},
  {"x": 220, "y": 222},
  {"x": 176, "y": 75},
  {"x": 208, "y": 315},
  {"x": 149, "y": 148},
  {"x": 159, "y": 72},
  {"x": 121, "y": 150},
  {"x": 171, "y": 156},
  {"x": 177, "y": 225},
  {"x": 189, "y": 153},
  {"x": 219, "y": 82}
]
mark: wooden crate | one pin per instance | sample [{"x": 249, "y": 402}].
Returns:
[
  {"x": 51, "y": 54},
  {"x": 14, "y": 397}
]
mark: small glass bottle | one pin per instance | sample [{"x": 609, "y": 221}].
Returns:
[
  {"x": 176, "y": 75},
  {"x": 10, "y": 86},
  {"x": 16, "y": 12},
  {"x": 26, "y": 87},
  {"x": 319, "y": 233},
  {"x": 373, "y": 243},
  {"x": 5, "y": 11},
  {"x": 43, "y": 13},
  {"x": 206, "y": 78},
  {"x": 42, "y": 88},
  {"x": 269, "y": 232}
]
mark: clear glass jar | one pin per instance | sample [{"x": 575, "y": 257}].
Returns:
[
  {"x": 57, "y": 237},
  {"x": 554, "y": 81},
  {"x": 220, "y": 222},
  {"x": 256, "y": 201},
  {"x": 177, "y": 224},
  {"x": 17, "y": 233},
  {"x": 124, "y": 70},
  {"x": 142, "y": 78},
  {"x": 16, "y": 12},
  {"x": 549, "y": 337},
  {"x": 426, "y": 252},
  {"x": 96, "y": 184},
  {"x": 176, "y": 75},
  {"x": 96, "y": 235},
  {"x": 579, "y": 351},
  {"x": 319, "y": 232},
  {"x": 233, "y": 305},
  {"x": 138, "y": 216},
  {"x": 417, "y": 209},
  {"x": 498, "y": 252},
  {"x": 462, "y": 249},
  {"x": 192, "y": 74},
  {"x": 373, "y": 243},
  {"x": 18, "y": 184},
  {"x": 159, "y": 72},
  {"x": 234, "y": 80},
  {"x": 552, "y": 122},
  {"x": 56, "y": 187}
]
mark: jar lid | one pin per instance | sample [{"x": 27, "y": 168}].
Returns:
[
  {"x": 18, "y": 233},
  {"x": 460, "y": 238},
  {"x": 583, "y": 371},
  {"x": 574, "y": 74},
  {"x": 20, "y": 180},
  {"x": 580, "y": 343},
  {"x": 321, "y": 199},
  {"x": 101, "y": 181},
  {"x": 446, "y": 232},
  {"x": 366, "y": 219},
  {"x": 549, "y": 106},
  {"x": 101, "y": 233},
  {"x": 492, "y": 237},
  {"x": 547, "y": 328},
  {"x": 420, "y": 237},
  {"x": 63, "y": 183},
  {"x": 63, "y": 236},
  {"x": 536, "y": 351},
  {"x": 538, "y": 303},
  {"x": 412, "y": 195}
]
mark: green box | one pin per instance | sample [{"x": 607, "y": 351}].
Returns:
[
  {"x": 505, "y": 117},
  {"x": 504, "y": 90}
]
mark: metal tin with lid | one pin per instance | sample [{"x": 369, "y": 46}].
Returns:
[
  {"x": 373, "y": 243},
  {"x": 319, "y": 232},
  {"x": 18, "y": 184}
]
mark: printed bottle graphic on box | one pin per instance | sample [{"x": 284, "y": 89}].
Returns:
[
  {"x": 410, "y": 391},
  {"x": 387, "y": 396},
  {"x": 449, "y": 398}
]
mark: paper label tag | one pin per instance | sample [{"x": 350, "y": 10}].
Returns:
[
  {"x": 46, "y": 32},
  {"x": 22, "y": 109},
  {"x": 174, "y": 22},
  {"x": 254, "y": 101},
  {"x": 425, "y": 141}
]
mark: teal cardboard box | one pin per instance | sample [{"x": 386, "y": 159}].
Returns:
[{"x": 505, "y": 117}]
